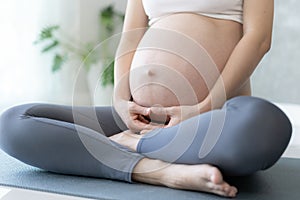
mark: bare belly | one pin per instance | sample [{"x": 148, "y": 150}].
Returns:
[{"x": 179, "y": 59}]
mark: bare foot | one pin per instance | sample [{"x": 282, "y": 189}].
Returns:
[
  {"x": 127, "y": 139},
  {"x": 204, "y": 178}
]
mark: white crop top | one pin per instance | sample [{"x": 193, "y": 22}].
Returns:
[{"x": 221, "y": 9}]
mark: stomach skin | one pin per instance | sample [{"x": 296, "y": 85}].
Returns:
[{"x": 179, "y": 59}]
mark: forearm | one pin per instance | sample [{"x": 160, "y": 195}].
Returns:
[{"x": 241, "y": 64}]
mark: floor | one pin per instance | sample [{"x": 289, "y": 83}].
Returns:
[
  {"x": 293, "y": 151},
  {"x": 14, "y": 194}
]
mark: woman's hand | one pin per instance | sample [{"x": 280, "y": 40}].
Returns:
[
  {"x": 133, "y": 114},
  {"x": 175, "y": 114}
]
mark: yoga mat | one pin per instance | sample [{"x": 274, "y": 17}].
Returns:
[{"x": 278, "y": 183}]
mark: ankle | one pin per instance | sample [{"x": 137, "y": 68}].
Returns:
[
  {"x": 172, "y": 176},
  {"x": 150, "y": 171},
  {"x": 127, "y": 139}
]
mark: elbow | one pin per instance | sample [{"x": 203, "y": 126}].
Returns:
[
  {"x": 266, "y": 45},
  {"x": 261, "y": 41}
]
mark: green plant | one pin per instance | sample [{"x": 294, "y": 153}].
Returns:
[{"x": 63, "y": 48}]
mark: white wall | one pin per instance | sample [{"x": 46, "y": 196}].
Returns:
[
  {"x": 25, "y": 74},
  {"x": 278, "y": 76},
  {"x": 89, "y": 32}
]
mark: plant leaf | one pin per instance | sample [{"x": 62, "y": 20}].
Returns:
[
  {"x": 46, "y": 33},
  {"x": 107, "y": 18},
  {"x": 58, "y": 61},
  {"x": 54, "y": 44},
  {"x": 107, "y": 12},
  {"x": 107, "y": 76}
]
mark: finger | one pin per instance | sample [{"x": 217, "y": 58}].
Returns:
[
  {"x": 157, "y": 124},
  {"x": 143, "y": 119},
  {"x": 133, "y": 127},
  {"x": 135, "y": 108},
  {"x": 136, "y": 125},
  {"x": 151, "y": 127},
  {"x": 143, "y": 126},
  {"x": 140, "y": 124},
  {"x": 160, "y": 110}
]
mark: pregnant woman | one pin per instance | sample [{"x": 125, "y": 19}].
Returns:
[{"x": 183, "y": 116}]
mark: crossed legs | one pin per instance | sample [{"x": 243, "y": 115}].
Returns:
[{"x": 67, "y": 140}]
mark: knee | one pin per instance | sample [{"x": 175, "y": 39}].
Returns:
[
  {"x": 272, "y": 118},
  {"x": 11, "y": 128},
  {"x": 263, "y": 132},
  {"x": 276, "y": 132},
  {"x": 260, "y": 114}
]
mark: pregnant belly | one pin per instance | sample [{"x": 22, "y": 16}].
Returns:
[
  {"x": 169, "y": 80},
  {"x": 177, "y": 64}
]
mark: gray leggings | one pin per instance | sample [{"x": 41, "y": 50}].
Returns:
[{"x": 247, "y": 135}]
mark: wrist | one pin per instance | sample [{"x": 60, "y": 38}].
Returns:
[
  {"x": 203, "y": 106},
  {"x": 118, "y": 104}
]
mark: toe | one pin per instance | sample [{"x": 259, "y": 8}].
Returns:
[
  {"x": 234, "y": 191},
  {"x": 223, "y": 189},
  {"x": 231, "y": 191}
]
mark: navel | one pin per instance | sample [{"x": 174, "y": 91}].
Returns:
[{"x": 150, "y": 72}]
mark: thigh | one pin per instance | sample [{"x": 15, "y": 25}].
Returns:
[{"x": 104, "y": 120}]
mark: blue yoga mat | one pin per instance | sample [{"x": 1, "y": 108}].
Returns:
[{"x": 278, "y": 183}]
